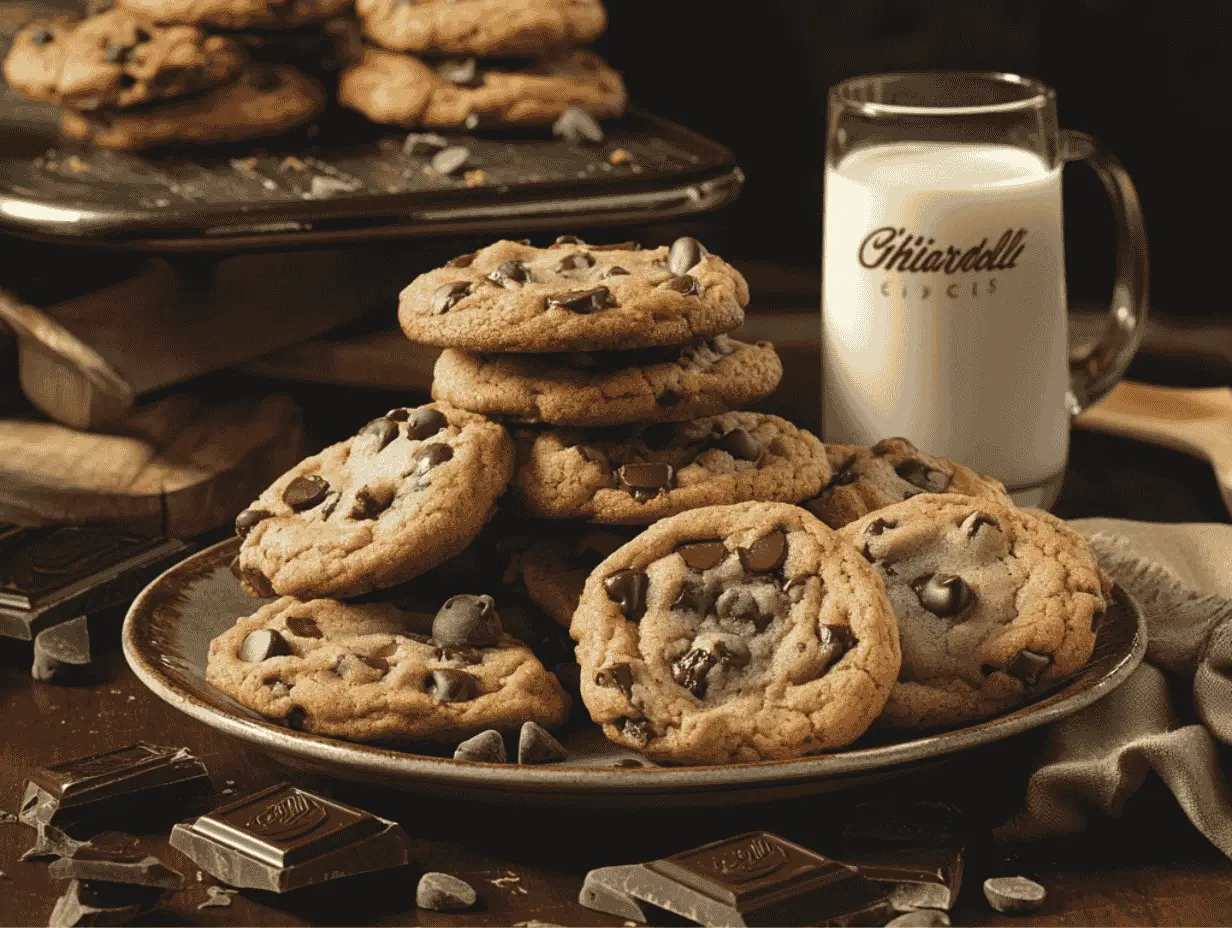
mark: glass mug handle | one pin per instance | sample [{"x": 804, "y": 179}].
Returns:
[{"x": 1096, "y": 371}]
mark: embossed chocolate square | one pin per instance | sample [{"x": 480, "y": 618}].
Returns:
[
  {"x": 284, "y": 837},
  {"x": 136, "y": 779}
]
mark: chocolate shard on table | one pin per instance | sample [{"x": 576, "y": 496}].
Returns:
[
  {"x": 97, "y": 903},
  {"x": 60, "y": 646},
  {"x": 907, "y": 842},
  {"x": 115, "y": 858},
  {"x": 757, "y": 878},
  {"x": 283, "y": 838},
  {"x": 50, "y": 844},
  {"x": 135, "y": 781}
]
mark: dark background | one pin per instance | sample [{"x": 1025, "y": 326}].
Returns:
[{"x": 1149, "y": 80}]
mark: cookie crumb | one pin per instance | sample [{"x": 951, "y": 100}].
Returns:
[
  {"x": 475, "y": 178},
  {"x": 620, "y": 156},
  {"x": 443, "y": 892}
]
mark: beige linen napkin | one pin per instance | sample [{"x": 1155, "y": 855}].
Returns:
[{"x": 1095, "y": 760}]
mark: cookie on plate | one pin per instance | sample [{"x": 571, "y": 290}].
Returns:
[
  {"x": 660, "y": 470},
  {"x": 666, "y": 384},
  {"x": 554, "y": 567},
  {"x": 238, "y": 14},
  {"x": 867, "y": 479},
  {"x": 402, "y": 90},
  {"x": 401, "y": 497},
  {"x": 117, "y": 59},
  {"x": 373, "y": 672},
  {"x": 994, "y": 604},
  {"x": 263, "y": 101},
  {"x": 513, "y": 297},
  {"x": 735, "y": 633},
  {"x": 527, "y": 28}
]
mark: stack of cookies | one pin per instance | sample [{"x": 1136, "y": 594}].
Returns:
[
  {"x": 481, "y": 64},
  {"x": 153, "y": 72}
]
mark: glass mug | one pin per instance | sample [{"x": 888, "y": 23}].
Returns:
[{"x": 944, "y": 314}]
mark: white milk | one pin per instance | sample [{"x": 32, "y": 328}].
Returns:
[{"x": 929, "y": 329}]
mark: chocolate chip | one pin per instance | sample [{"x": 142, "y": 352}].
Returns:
[
  {"x": 487, "y": 747},
  {"x": 615, "y": 271},
  {"x": 568, "y": 240},
  {"x": 740, "y": 445},
  {"x": 733, "y": 653},
  {"x": 577, "y": 126},
  {"x": 693, "y": 597},
  {"x": 1028, "y": 666},
  {"x": 460, "y": 260},
  {"x": 684, "y": 254},
  {"x": 450, "y": 160},
  {"x": 303, "y": 627},
  {"x": 583, "y": 301},
  {"x": 878, "y": 526},
  {"x": 835, "y": 641},
  {"x": 141, "y": 35},
  {"x": 577, "y": 261},
  {"x": 430, "y": 456},
  {"x": 385, "y": 431},
  {"x": 765, "y": 554},
  {"x": 645, "y": 481},
  {"x": 305, "y": 492},
  {"x": 460, "y": 71},
  {"x": 442, "y": 892},
  {"x": 668, "y": 398},
  {"x": 537, "y": 746},
  {"x": 617, "y": 675},
  {"x": 424, "y": 423},
  {"x": 467, "y": 619},
  {"x": 974, "y": 522},
  {"x": 41, "y": 36},
  {"x": 447, "y": 685},
  {"x": 627, "y": 588},
  {"x": 262, "y": 644},
  {"x": 117, "y": 54},
  {"x": 923, "y": 475},
  {"x": 636, "y": 730},
  {"x": 398, "y": 415},
  {"x": 1014, "y": 894},
  {"x": 256, "y": 581},
  {"x": 658, "y": 436},
  {"x": 371, "y": 501},
  {"x": 297, "y": 718},
  {"x": 740, "y": 605},
  {"x": 943, "y": 595},
  {"x": 448, "y": 296},
  {"x": 691, "y": 669},
  {"x": 510, "y": 272},
  {"x": 592, "y": 455},
  {"x": 356, "y": 665},
  {"x": 247, "y": 520},
  {"x": 702, "y": 555},
  {"x": 687, "y": 285}
]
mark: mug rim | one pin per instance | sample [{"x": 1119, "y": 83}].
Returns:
[{"x": 1037, "y": 94}]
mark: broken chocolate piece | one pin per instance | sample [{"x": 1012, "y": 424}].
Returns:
[
  {"x": 97, "y": 903},
  {"x": 617, "y": 675},
  {"x": 284, "y": 837},
  {"x": 645, "y": 481},
  {"x": 139, "y": 777},
  {"x": 62, "y": 645},
  {"x": 263, "y": 644},
  {"x": 1028, "y": 666},
  {"x": 703, "y": 555},
  {"x": 305, "y": 492},
  {"x": 583, "y": 301},
  {"x": 50, "y": 844},
  {"x": 115, "y": 861},
  {"x": 765, "y": 554},
  {"x": 627, "y": 588},
  {"x": 444, "y": 892},
  {"x": 1013, "y": 895}
]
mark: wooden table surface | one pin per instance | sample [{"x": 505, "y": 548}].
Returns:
[{"x": 1148, "y": 868}]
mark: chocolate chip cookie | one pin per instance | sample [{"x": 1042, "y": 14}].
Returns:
[
  {"x": 238, "y": 14},
  {"x": 864, "y": 480},
  {"x": 263, "y": 101},
  {"x": 481, "y": 27},
  {"x": 401, "y": 497},
  {"x": 735, "y": 633},
  {"x": 666, "y": 384},
  {"x": 513, "y": 297},
  {"x": 117, "y": 59},
  {"x": 554, "y": 567},
  {"x": 646, "y": 474},
  {"x": 994, "y": 604},
  {"x": 402, "y": 90},
  {"x": 374, "y": 672}
]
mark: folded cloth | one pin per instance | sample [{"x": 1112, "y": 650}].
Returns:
[{"x": 1096, "y": 759}]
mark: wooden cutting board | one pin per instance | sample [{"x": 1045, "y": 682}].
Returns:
[{"x": 179, "y": 466}]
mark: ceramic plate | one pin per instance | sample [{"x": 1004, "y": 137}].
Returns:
[{"x": 169, "y": 627}]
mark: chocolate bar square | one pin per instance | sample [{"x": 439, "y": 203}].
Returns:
[
  {"x": 134, "y": 779},
  {"x": 284, "y": 837},
  {"x": 907, "y": 842}
]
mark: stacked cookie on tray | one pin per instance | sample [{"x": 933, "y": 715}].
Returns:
[
  {"x": 153, "y": 72},
  {"x": 481, "y": 64}
]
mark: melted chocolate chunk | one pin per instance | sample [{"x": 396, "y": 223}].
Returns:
[
  {"x": 583, "y": 301},
  {"x": 627, "y": 588},
  {"x": 447, "y": 296},
  {"x": 691, "y": 669},
  {"x": 1028, "y": 666},
  {"x": 637, "y": 730},
  {"x": 619, "y": 676},
  {"x": 592, "y": 455},
  {"x": 247, "y": 520},
  {"x": 303, "y": 627},
  {"x": 836, "y": 640},
  {"x": 943, "y": 595},
  {"x": 702, "y": 555},
  {"x": 687, "y": 285},
  {"x": 447, "y": 685},
  {"x": 684, "y": 255},
  {"x": 466, "y": 619},
  {"x": 430, "y": 456},
  {"x": 262, "y": 644},
  {"x": 977, "y": 520},
  {"x": 371, "y": 501},
  {"x": 668, "y": 398},
  {"x": 615, "y": 271},
  {"x": 385, "y": 430},
  {"x": 305, "y": 492},
  {"x": 424, "y": 423},
  {"x": 462, "y": 260},
  {"x": 878, "y": 526},
  {"x": 741, "y": 445},
  {"x": 923, "y": 475},
  {"x": 510, "y": 272},
  {"x": 741, "y": 606},
  {"x": 645, "y": 481},
  {"x": 398, "y": 415},
  {"x": 692, "y": 596},
  {"x": 577, "y": 261},
  {"x": 765, "y": 554}
]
